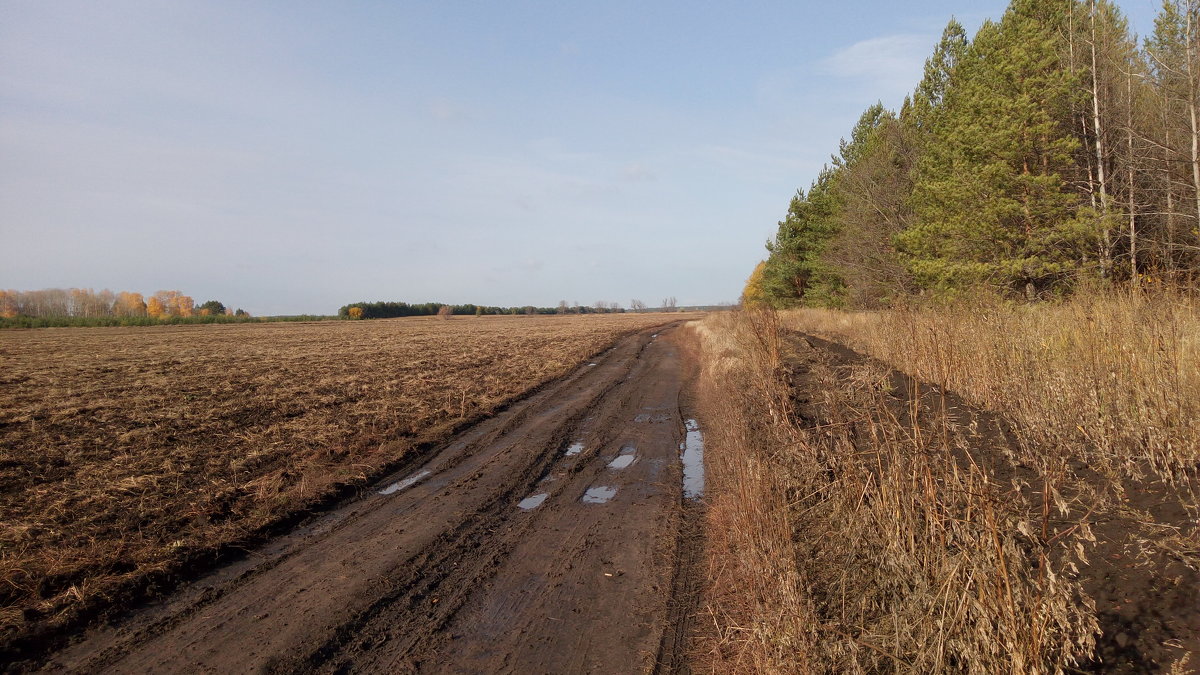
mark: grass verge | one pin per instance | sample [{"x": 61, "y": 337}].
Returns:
[{"x": 861, "y": 520}]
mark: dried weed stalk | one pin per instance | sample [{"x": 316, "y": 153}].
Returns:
[{"x": 849, "y": 534}]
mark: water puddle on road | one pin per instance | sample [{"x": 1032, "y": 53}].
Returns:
[
  {"x": 693, "y": 461},
  {"x": 591, "y": 365},
  {"x": 574, "y": 449},
  {"x": 406, "y": 483},
  {"x": 622, "y": 462},
  {"x": 533, "y": 501},
  {"x": 599, "y": 494}
]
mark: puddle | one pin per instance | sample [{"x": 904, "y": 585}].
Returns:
[
  {"x": 406, "y": 483},
  {"x": 533, "y": 501},
  {"x": 654, "y": 336},
  {"x": 651, "y": 418},
  {"x": 622, "y": 462},
  {"x": 628, "y": 450},
  {"x": 693, "y": 461},
  {"x": 599, "y": 494},
  {"x": 591, "y": 364},
  {"x": 575, "y": 449}
]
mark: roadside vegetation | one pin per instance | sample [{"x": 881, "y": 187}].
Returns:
[
  {"x": 1001, "y": 475},
  {"x": 860, "y": 520},
  {"x": 129, "y": 457}
]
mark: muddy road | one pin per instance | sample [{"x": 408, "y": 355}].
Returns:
[{"x": 554, "y": 537}]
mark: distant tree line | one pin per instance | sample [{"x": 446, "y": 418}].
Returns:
[
  {"x": 87, "y": 307},
  {"x": 1051, "y": 150},
  {"x": 391, "y": 310}
]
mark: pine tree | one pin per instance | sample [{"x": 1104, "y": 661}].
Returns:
[
  {"x": 794, "y": 272},
  {"x": 874, "y": 182},
  {"x": 989, "y": 199}
]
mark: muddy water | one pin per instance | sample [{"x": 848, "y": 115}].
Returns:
[
  {"x": 406, "y": 483},
  {"x": 533, "y": 501},
  {"x": 622, "y": 462},
  {"x": 599, "y": 494},
  {"x": 575, "y": 449},
  {"x": 693, "y": 461}
]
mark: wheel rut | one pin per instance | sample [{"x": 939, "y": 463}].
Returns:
[{"x": 545, "y": 539}]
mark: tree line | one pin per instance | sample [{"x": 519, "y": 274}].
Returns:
[
  {"x": 69, "y": 306},
  {"x": 1049, "y": 151},
  {"x": 392, "y": 310}
]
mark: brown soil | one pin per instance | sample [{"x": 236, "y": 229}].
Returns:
[
  {"x": 131, "y": 457},
  {"x": 447, "y": 573}
]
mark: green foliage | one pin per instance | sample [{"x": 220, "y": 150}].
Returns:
[
  {"x": 801, "y": 268},
  {"x": 391, "y": 310},
  {"x": 214, "y": 307},
  {"x": 927, "y": 100},
  {"x": 990, "y": 201},
  {"x": 987, "y": 178},
  {"x": 794, "y": 272},
  {"x": 873, "y": 192}
]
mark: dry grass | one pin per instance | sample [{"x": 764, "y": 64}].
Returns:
[
  {"x": 125, "y": 451},
  {"x": 1114, "y": 382},
  {"x": 875, "y": 533},
  {"x": 851, "y": 534},
  {"x": 760, "y": 616}
]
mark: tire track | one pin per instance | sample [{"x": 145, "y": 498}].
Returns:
[{"x": 388, "y": 582}]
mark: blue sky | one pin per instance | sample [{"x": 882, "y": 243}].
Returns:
[{"x": 291, "y": 157}]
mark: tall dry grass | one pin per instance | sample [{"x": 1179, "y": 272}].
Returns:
[
  {"x": 849, "y": 533},
  {"x": 760, "y": 617},
  {"x": 1110, "y": 381}
]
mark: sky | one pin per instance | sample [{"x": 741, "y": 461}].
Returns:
[{"x": 293, "y": 157}]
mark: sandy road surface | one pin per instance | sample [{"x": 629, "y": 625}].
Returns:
[{"x": 545, "y": 539}]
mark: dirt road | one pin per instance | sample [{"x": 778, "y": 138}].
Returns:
[{"x": 546, "y": 539}]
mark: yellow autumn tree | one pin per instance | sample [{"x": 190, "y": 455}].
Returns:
[
  {"x": 155, "y": 307},
  {"x": 175, "y": 303},
  {"x": 182, "y": 305},
  {"x": 752, "y": 294},
  {"x": 165, "y": 298},
  {"x": 129, "y": 304},
  {"x": 355, "y": 312},
  {"x": 8, "y": 304}
]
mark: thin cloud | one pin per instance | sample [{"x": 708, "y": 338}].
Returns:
[
  {"x": 889, "y": 65},
  {"x": 445, "y": 110},
  {"x": 636, "y": 172}
]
